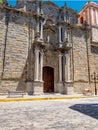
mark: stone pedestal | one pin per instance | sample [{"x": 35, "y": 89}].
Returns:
[
  {"x": 69, "y": 87},
  {"x": 38, "y": 87},
  {"x": 61, "y": 88},
  {"x": 29, "y": 88}
]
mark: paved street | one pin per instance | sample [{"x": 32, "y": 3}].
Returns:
[{"x": 74, "y": 114}]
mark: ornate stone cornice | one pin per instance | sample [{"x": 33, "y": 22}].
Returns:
[
  {"x": 62, "y": 23},
  {"x": 62, "y": 47},
  {"x": 39, "y": 42}
]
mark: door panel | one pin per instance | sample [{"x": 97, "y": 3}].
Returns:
[{"x": 48, "y": 78}]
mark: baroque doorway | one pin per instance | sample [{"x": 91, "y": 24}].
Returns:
[{"x": 48, "y": 78}]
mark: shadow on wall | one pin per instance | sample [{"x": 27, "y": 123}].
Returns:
[
  {"x": 87, "y": 109},
  {"x": 19, "y": 72},
  {"x": 22, "y": 82},
  {"x": 27, "y": 74}
]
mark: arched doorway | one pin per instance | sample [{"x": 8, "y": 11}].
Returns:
[{"x": 48, "y": 78}]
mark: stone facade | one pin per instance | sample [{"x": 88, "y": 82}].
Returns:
[{"x": 38, "y": 40}]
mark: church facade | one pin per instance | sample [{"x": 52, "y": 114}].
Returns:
[{"x": 44, "y": 49}]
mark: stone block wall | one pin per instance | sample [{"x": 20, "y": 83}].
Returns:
[
  {"x": 2, "y": 35},
  {"x": 81, "y": 51},
  {"x": 94, "y": 60},
  {"x": 94, "y": 67},
  {"x": 85, "y": 62},
  {"x": 15, "y": 49},
  {"x": 80, "y": 56},
  {"x": 95, "y": 34}
]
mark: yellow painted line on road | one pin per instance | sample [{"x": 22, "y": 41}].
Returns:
[{"x": 44, "y": 98}]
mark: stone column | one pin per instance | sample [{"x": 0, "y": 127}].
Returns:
[
  {"x": 68, "y": 37},
  {"x": 65, "y": 35},
  {"x": 41, "y": 66},
  {"x": 59, "y": 34},
  {"x": 24, "y": 6},
  {"x": 36, "y": 64},
  {"x": 96, "y": 17},
  {"x": 88, "y": 16},
  {"x": 38, "y": 21},
  {"x": 37, "y": 28},
  {"x": 67, "y": 67},
  {"x": 60, "y": 67},
  {"x": 64, "y": 15},
  {"x": 41, "y": 31},
  {"x": 92, "y": 16},
  {"x": 38, "y": 9},
  {"x": 68, "y": 83},
  {"x": 84, "y": 16}
]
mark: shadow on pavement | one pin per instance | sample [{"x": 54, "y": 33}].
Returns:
[{"x": 87, "y": 109}]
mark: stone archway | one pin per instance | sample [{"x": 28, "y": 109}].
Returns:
[{"x": 48, "y": 78}]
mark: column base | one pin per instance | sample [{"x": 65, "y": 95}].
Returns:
[
  {"x": 38, "y": 87},
  {"x": 65, "y": 87},
  {"x": 61, "y": 88},
  {"x": 69, "y": 87},
  {"x": 29, "y": 88}
]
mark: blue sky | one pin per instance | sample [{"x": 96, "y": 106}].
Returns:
[{"x": 74, "y": 4}]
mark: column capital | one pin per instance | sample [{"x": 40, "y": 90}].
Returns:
[
  {"x": 42, "y": 53},
  {"x": 43, "y": 22},
  {"x": 60, "y": 54},
  {"x": 37, "y": 50}
]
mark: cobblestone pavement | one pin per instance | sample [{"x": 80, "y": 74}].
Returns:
[{"x": 74, "y": 114}]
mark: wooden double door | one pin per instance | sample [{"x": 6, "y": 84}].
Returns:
[{"x": 48, "y": 78}]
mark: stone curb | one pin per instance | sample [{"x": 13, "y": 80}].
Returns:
[{"x": 44, "y": 98}]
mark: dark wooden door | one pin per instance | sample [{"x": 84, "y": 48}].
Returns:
[{"x": 48, "y": 78}]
